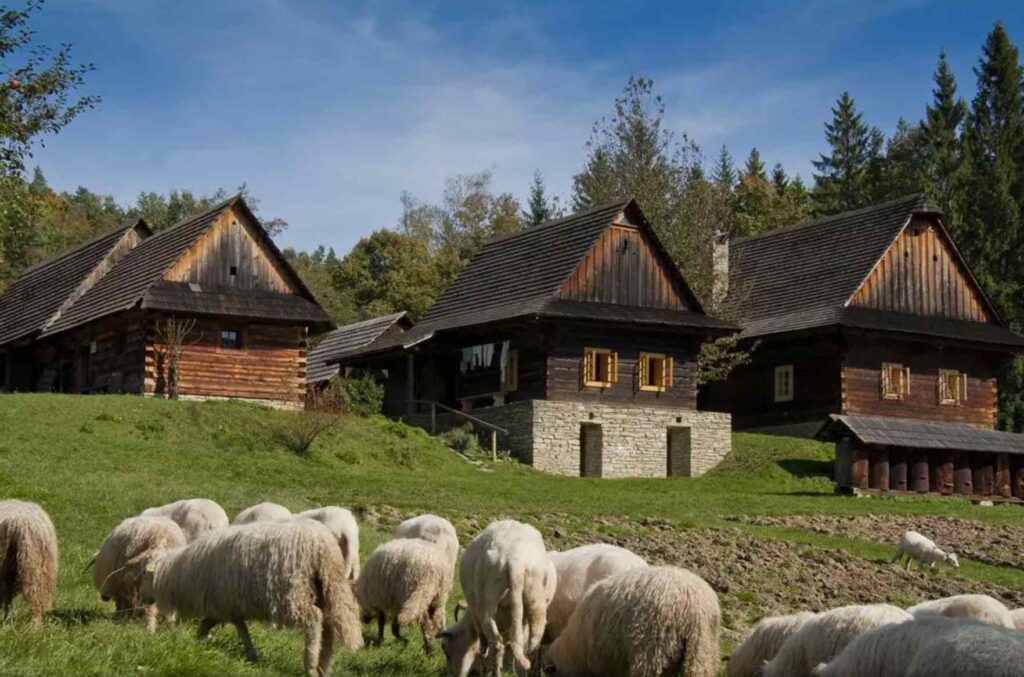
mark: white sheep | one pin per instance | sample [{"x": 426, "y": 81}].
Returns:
[
  {"x": 979, "y": 607},
  {"x": 913, "y": 546},
  {"x": 410, "y": 580},
  {"x": 195, "y": 516},
  {"x": 262, "y": 512},
  {"x": 644, "y": 622},
  {"x": 434, "y": 529},
  {"x": 971, "y": 651},
  {"x": 28, "y": 558},
  {"x": 288, "y": 572},
  {"x": 826, "y": 635},
  {"x": 342, "y": 524},
  {"x": 508, "y": 581},
  {"x": 120, "y": 563},
  {"x": 763, "y": 643},
  {"x": 577, "y": 570},
  {"x": 1017, "y": 615}
]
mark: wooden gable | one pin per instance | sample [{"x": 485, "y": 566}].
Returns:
[{"x": 922, "y": 273}]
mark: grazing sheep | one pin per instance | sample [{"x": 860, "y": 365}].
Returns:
[
  {"x": 577, "y": 570},
  {"x": 195, "y": 516},
  {"x": 826, "y": 635},
  {"x": 644, "y": 622},
  {"x": 1018, "y": 618},
  {"x": 121, "y": 561},
  {"x": 289, "y": 572},
  {"x": 979, "y": 607},
  {"x": 508, "y": 582},
  {"x": 914, "y": 546},
  {"x": 263, "y": 512},
  {"x": 28, "y": 543},
  {"x": 408, "y": 579},
  {"x": 763, "y": 643},
  {"x": 434, "y": 529},
  {"x": 971, "y": 651},
  {"x": 342, "y": 524}
]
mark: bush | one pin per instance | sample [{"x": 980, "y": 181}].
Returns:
[
  {"x": 360, "y": 396},
  {"x": 297, "y": 431},
  {"x": 462, "y": 439}
]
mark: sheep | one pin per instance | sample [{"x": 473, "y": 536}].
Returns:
[
  {"x": 644, "y": 622},
  {"x": 763, "y": 643},
  {"x": 972, "y": 650},
  {"x": 122, "y": 558},
  {"x": 979, "y": 607},
  {"x": 914, "y": 546},
  {"x": 825, "y": 635},
  {"x": 195, "y": 516},
  {"x": 577, "y": 570},
  {"x": 410, "y": 580},
  {"x": 434, "y": 529},
  {"x": 262, "y": 512},
  {"x": 289, "y": 572},
  {"x": 1018, "y": 618},
  {"x": 342, "y": 524},
  {"x": 508, "y": 582},
  {"x": 28, "y": 543}
]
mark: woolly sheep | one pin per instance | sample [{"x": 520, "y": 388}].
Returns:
[
  {"x": 28, "y": 543},
  {"x": 644, "y": 622},
  {"x": 289, "y": 572},
  {"x": 343, "y": 526},
  {"x": 508, "y": 582},
  {"x": 262, "y": 512},
  {"x": 123, "y": 556},
  {"x": 434, "y": 529},
  {"x": 970, "y": 651},
  {"x": 979, "y": 607},
  {"x": 195, "y": 516},
  {"x": 408, "y": 579},
  {"x": 914, "y": 546},
  {"x": 826, "y": 634},
  {"x": 577, "y": 570},
  {"x": 763, "y": 643},
  {"x": 1017, "y": 615}
]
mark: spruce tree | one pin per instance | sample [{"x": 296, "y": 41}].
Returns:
[
  {"x": 724, "y": 173},
  {"x": 779, "y": 179},
  {"x": 849, "y": 174},
  {"x": 941, "y": 130},
  {"x": 755, "y": 167},
  {"x": 538, "y": 208}
]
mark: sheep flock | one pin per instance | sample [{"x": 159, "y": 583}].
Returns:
[{"x": 598, "y": 609}]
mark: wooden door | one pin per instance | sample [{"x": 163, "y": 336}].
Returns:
[
  {"x": 590, "y": 449},
  {"x": 679, "y": 450}
]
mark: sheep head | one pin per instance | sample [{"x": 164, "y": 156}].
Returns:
[
  {"x": 951, "y": 559},
  {"x": 461, "y": 645}
]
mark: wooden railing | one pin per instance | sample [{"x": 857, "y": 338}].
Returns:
[{"x": 494, "y": 429}]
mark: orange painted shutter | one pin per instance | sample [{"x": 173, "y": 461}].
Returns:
[
  {"x": 667, "y": 378},
  {"x": 906, "y": 381},
  {"x": 614, "y": 363},
  {"x": 963, "y": 387}
]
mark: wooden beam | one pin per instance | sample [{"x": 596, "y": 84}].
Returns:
[{"x": 410, "y": 385}]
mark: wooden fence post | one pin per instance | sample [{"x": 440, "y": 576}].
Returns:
[{"x": 433, "y": 418}]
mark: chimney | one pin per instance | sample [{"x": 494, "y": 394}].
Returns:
[{"x": 720, "y": 270}]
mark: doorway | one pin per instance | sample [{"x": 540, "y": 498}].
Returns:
[
  {"x": 678, "y": 441},
  {"x": 591, "y": 444}
]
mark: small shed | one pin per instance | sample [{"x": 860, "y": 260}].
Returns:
[{"x": 336, "y": 345}]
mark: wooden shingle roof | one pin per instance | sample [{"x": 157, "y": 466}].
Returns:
[
  {"x": 321, "y": 363},
  {"x": 920, "y": 434}
]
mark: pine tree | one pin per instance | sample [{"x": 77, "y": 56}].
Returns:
[
  {"x": 754, "y": 166},
  {"x": 779, "y": 179},
  {"x": 941, "y": 128},
  {"x": 539, "y": 207},
  {"x": 724, "y": 173},
  {"x": 849, "y": 175},
  {"x": 905, "y": 171}
]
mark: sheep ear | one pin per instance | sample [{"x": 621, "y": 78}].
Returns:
[{"x": 460, "y": 606}]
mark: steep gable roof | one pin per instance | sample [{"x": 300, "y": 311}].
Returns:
[{"x": 321, "y": 363}]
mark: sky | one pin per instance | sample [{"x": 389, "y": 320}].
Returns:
[{"x": 328, "y": 111}]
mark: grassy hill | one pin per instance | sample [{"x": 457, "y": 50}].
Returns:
[{"x": 91, "y": 461}]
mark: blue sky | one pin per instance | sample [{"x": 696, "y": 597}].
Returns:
[{"x": 329, "y": 110}]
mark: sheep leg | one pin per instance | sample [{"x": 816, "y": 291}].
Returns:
[
  {"x": 490, "y": 632},
  {"x": 205, "y": 626},
  {"x": 382, "y": 621},
  {"x": 429, "y": 631},
  {"x": 151, "y": 617},
  {"x": 314, "y": 633},
  {"x": 396, "y": 630},
  {"x": 326, "y": 648},
  {"x": 243, "y": 634}
]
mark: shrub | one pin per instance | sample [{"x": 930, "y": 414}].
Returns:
[
  {"x": 296, "y": 431},
  {"x": 462, "y": 439},
  {"x": 360, "y": 396}
]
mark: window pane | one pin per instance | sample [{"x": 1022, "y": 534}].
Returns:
[{"x": 230, "y": 338}]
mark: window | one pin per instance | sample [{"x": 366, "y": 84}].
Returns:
[
  {"x": 895, "y": 381},
  {"x": 600, "y": 367},
  {"x": 655, "y": 372},
  {"x": 784, "y": 383},
  {"x": 509, "y": 370},
  {"x": 952, "y": 387},
  {"x": 230, "y": 338},
  {"x": 234, "y": 271}
]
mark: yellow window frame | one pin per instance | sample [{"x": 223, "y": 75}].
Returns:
[
  {"x": 593, "y": 359},
  {"x": 655, "y": 372}
]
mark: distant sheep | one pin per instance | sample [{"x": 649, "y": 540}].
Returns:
[
  {"x": 915, "y": 547},
  {"x": 409, "y": 580},
  {"x": 434, "y": 529},
  {"x": 342, "y": 524},
  {"x": 1018, "y": 618},
  {"x": 825, "y": 635},
  {"x": 29, "y": 564},
  {"x": 645, "y": 622},
  {"x": 288, "y": 572},
  {"x": 195, "y": 516},
  {"x": 979, "y": 607},
  {"x": 763, "y": 643},
  {"x": 262, "y": 512},
  {"x": 578, "y": 570},
  {"x": 123, "y": 556},
  {"x": 971, "y": 651}
]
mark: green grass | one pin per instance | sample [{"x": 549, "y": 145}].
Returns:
[{"x": 91, "y": 461}]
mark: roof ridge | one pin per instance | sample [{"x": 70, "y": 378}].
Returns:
[
  {"x": 380, "y": 318},
  {"x": 554, "y": 222},
  {"x": 192, "y": 218},
  {"x": 123, "y": 227}
]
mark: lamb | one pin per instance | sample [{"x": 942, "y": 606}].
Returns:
[
  {"x": 979, "y": 607},
  {"x": 195, "y": 516},
  {"x": 342, "y": 524},
  {"x": 763, "y": 643},
  {"x": 826, "y": 634},
  {"x": 434, "y": 529},
  {"x": 508, "y": 582},
  {"x": 644, "y": 622},
  {"x": 28, "y": 543},
  {"x": 577, "y": 570},
  {"x": 262, "y": 512},
  {"x": 914, "y": 546},
  {"x": 972, "y": 650},
  {"x": 1017, "y": 615},
  {"x": 408, "y": 579},
  {"x": 123, "y": 556},
  {"x": 289, "y": 572}
]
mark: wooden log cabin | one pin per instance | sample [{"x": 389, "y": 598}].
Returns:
[
  {"x": 871, "y": 330},
  {"x": 96, "y": 318},
  {"x": 576, "y": 340}
]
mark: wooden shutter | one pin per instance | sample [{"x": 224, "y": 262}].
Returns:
[
  {"x": 906, "y": 380},
  {"x": 643, "y": 364},
  {"x": 613, "y": 363},
  {"x": 963, "y": 387},
  {"x": 667, "y": 378},
  {"x": 886, "y": 386},
  {"x": 585, "y": 367}
]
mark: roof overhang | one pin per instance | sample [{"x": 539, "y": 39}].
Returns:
[{"x": 908, "y": 433}]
